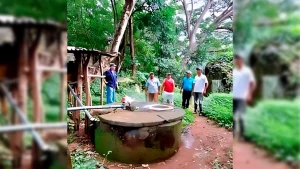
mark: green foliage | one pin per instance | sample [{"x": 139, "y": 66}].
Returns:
[
  {"x": 188, "y": 118},
  {"x": 220, "y": 68},
  {"x": 38, "y": 9},
  {"x": 155, "y": 50},
  {"x": 260, "y": 20},
  {"x": 81, "y": 160},
  {"x": 273, "y": 124},
  {"x": 218, "y": 107},
  {"x": 90, "y": 23},
  {"x": 51, "y": 99}
]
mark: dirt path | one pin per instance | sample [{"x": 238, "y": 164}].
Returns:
[
  {"x": 248, "y": 156},
  {"x": 203, "y": 145}
]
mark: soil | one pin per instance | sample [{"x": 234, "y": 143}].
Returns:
[
  {"x": 248, "y": 156},
  {"x": 205, "y": 145}
]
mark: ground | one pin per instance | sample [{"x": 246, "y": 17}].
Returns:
[
  {"x": 248, "y": 156},
  {"x": 205, "y": 145}
]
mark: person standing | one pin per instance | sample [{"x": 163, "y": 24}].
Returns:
[
  {"x": 167, "y": 88},
  {"x": 244, "y": 84},
  {"x": 186, "y": 89},
  {"x": 111, "y": 83},
  {"x": 199, "y": 89},
  {"x": 152, "y": 88}
]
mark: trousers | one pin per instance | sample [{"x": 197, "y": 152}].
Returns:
[
  {"x": 110, "y": 95},
  {"x": 186, "y": 97},
  {"x": 198, "y": 97}
]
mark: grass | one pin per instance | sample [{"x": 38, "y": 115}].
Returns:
[
  {"x": 218, "y": 107},
  {"x": 87, "y": 160},
  {"x": 82, "y": 160},
  {"x": 274, "y": 125}
]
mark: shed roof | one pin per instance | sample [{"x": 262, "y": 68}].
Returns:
[
  {"x": 9, "y": 20},
  {"x": 73, "y": 49}
]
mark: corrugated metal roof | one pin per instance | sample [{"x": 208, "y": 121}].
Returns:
[
  {"x": 73, "y": 49},
  {"x": 8, "y": 20}
]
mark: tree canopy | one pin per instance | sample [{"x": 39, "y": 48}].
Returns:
[{"x": 38, "y": 9}]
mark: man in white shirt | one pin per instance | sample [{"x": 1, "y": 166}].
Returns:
[
  {"x": 200, "y": 85},
  {"x": 243, "y": 86}
]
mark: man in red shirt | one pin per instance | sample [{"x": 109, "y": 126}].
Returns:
[{"x": 168, "y": 87}]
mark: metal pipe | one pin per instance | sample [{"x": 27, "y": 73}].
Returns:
[
  {"x": 95, "y": 107},
  {"x": 35, "y": 135},
  {"x": 22, "y": 127},
  {"x": 80, "y": 103}
]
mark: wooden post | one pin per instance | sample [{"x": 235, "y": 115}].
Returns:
[
  {"x": 62, "y": 45},
  {"x": 75, "y": 104},
  {"x": 15, "y": 140},
  {"x": 4, "y": 107},
  {"x": 38, "y": 115},
  {"x": 20, "y": 96},
  {"x": 87, "y": 91},
  {"x": 133, "y": 66},
  {"x": 101, "y": 82},
  {"x": 76, "y": 116}
]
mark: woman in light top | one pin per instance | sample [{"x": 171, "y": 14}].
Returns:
[{"x": 152, "y": 88}]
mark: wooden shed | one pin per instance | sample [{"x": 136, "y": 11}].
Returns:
[{"x": 34, "y": 51}]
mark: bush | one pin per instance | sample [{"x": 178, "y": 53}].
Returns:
[
  {"x": 274, "y": 125},
  {"x": 218, "y": 107}
]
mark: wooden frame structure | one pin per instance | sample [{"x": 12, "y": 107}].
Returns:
[
  {"x": 80, "y": 76},
  {"x": 23, "y": 70}
]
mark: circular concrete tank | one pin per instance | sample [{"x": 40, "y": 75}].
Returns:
[{"x": 148, "y": 134}]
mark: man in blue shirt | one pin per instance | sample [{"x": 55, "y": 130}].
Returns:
[
  {"x": 111, "y": 83},
  {"x": 186, "y": 89}
]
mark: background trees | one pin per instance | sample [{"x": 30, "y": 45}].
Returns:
[{"x": 157, "y": 37}]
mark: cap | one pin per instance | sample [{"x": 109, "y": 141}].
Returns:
[
  {"x": 112, "y": 64},
  {"x": 189, "y": 72},
  {"x": 151, "y": 73},
  {"x": 198, "y": 68},
  {"x": 238, "y": 55},
  {"x": 168, "y": 73}
]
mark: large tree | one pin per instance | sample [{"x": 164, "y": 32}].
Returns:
[
  {"x": 212, "y": 15},
  {"x": 119, "y": 32}
]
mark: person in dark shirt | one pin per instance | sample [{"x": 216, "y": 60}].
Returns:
[{"x": 111, "y": 83}]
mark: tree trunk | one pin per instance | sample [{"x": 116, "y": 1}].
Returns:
[
  {"x": 133, "y": 66},
  {"x": 120, "y": 58},
  {"x": 119, "y": 32}
]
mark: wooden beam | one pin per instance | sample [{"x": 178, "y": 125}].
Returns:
[
  {"x": 15, "y": 144},
  {"x": 38, "y": 115},
  {"x": 101, "y": 82},
  {"x": 62, "y": 45},
  {"x": 52, "y": 69},
  {"x": 4, "y": 107},
  {"x": 76, "y": 116},
  {"x": 20, "y": 94},
  {"x": 71, "y": 83},
  {"x": 97, "y": 76}
]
